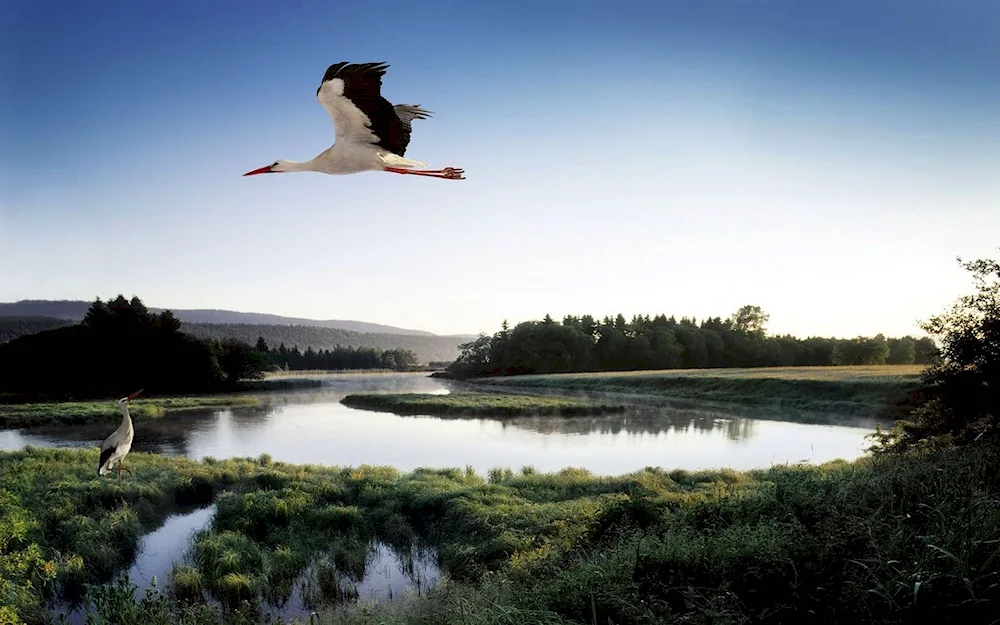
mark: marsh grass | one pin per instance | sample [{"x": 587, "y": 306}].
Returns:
[
  {"x": 73, "y": 412},
  {"x": 890, "y": 539},
  {"x": 279, "y": 383},
  {"x": 864, "y": 391},
  {"x": 491, "y": 404}
]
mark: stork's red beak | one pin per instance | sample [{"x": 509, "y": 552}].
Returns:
[
  {"x": 134, "y": 395},
  {"x": 262, "y": 170}
]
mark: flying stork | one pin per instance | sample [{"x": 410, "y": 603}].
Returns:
[
  {"x": 371, "y": 133},
  {"x": 115, "y": 447}
]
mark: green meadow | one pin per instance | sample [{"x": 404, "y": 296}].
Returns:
[{"x": 883, "y": 390}]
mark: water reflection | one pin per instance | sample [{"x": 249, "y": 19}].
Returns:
[
  {"x": 166, "y": 545},
  {"x": 386, "y": 573},
  {"x": 640, "y": 422},
  {"x": 311, "y": 426}
]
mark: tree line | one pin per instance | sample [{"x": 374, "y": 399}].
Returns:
[
  {"x": 427, "y": 348},
  {"x": 120, "y": 346},
  {"x": 582, "y": 343},
  {"x": 338, "y": 358}
]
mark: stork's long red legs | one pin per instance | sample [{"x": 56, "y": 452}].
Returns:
[{"x": 448, "y": 173}]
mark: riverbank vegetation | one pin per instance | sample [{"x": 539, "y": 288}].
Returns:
[
  {"x": 962, "y": 387},
  {"x": 72, "y": 412},
  {"x": 583, "y": 344},
  {"x": 883, "y": 391},
  {"x": 484, "y": 404},
  {"x": 883, "y": 540}
]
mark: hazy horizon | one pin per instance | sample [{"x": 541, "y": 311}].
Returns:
[{"x": 827, "y": 163}]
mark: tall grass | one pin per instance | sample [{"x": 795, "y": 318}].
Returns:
[
  {"x": 494, "y": 404},
  {"x": 863, "y": 391},
  {"x": 889, "y": 539},
  {"x": 73, "y": 412}
]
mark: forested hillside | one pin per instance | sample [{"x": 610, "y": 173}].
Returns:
[
  {"x": 13, "y": 327},
  {"x": 427, "y": 348}
]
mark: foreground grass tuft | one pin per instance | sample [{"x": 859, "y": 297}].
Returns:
[{"x": 493, "y": 404}]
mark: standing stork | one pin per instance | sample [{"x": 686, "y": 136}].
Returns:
[
  {"x": 115, "y": 447},
  {"x": 371, "y": 134}
]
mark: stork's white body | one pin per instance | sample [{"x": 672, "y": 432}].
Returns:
[
  {"x": 344, "y": 158},
  {"x": 116, "y": 446},
  {"x": 371, "y": 133}
]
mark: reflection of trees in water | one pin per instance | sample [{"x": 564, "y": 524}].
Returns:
[
  {"x": 723, "y": 410},
  {"x": 640, "y": 422},
  {"x": 253, "y": 416},
  {"x": 384, "y": 571},
  {"x": 168, "y": 435}
]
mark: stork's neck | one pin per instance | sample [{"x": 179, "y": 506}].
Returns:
[
  {"x": 289, "y": 166},
  {"x": 126, "y": 419}
]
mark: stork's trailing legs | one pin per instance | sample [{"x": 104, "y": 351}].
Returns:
[
  {"x": 448, "y": 173},
  {"x": 125, "y": 469}
]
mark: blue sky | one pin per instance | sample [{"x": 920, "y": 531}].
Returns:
[{"x": 824, "y": 160}]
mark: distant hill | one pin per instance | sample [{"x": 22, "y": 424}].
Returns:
[
  {"x": 428, "y": 348},
  {"x": 13, "y": 327},
  {"x": 75, "y": 310}
]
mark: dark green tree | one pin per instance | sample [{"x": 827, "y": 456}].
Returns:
[
  {"x": 964, "y": 382},
  {"x": 239, "y": 361},
  {"x": 750, "y": 320},
  {"x": 902, "y": 351}
]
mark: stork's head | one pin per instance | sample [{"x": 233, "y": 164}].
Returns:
[
  {"x": 277, "y": 167},
  {"x": 125, "y": 400}
]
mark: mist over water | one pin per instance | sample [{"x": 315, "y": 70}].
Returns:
[{"x": 314, "y": 427}]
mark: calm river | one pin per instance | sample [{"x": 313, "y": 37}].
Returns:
[{"x": 314, "y": 427}]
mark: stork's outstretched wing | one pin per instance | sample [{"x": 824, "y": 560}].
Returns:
[
  {"x": 409, "y": 112},
  {"x": 352, "y": 95}
]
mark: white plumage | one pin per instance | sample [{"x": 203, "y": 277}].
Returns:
[
  {"x": 371, "y": 133},
  {"x": 116, "y": 446}
]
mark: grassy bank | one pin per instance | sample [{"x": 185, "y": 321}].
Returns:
[
  {"x": 864, "y": 391},
  {"x": 888, "y": 540},
  {"x": 70, "y": 412},
  {"x": 486, "y": 404}
]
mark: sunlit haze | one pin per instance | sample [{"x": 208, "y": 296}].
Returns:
[{"x": 825, "y": 161}]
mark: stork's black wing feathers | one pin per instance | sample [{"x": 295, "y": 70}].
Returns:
[
  {"x": 105, "y": 454},
  {"x": 363, "y": 87},
  {"x": 360, "y": 79}
]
